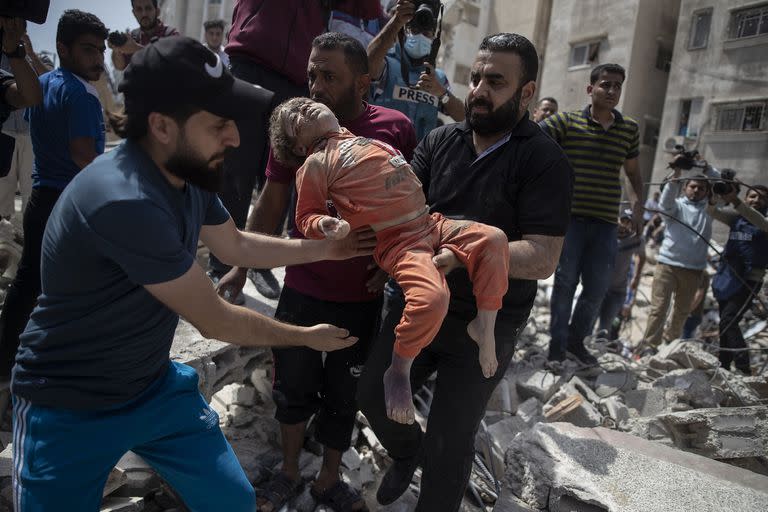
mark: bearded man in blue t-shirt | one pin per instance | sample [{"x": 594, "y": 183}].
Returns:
[{"x": 118, "y": 269}]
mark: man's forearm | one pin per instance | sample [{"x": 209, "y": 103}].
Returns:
[
  {"x": 264, "y": 251},
  {"x": 455, "y": 109},
  {"x": 534, "y": 259},
  {"x": 244, "y": 327},
  {"x": 28, "y": 87},
  {"x": 380, "y": 45}
]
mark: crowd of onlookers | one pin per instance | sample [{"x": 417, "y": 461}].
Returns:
[{"x": 548, "y": 177}]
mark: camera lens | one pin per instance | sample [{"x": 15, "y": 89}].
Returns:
[{"x": 424, "y": 18}]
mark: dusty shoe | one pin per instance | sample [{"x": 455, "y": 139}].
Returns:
[{"x": 265, "y": 282}]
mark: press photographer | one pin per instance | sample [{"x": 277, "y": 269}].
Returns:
[
  {"x": 743, "y": 263},
  {"x": 401, "y": 60},
  {"x": 683, "y": 254}
]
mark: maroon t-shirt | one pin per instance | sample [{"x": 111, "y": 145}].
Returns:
[
  {"x": 279, "y": 34},
  {"x": 344, "y": 281}
]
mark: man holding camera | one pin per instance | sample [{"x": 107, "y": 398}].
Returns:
[
  {"x": 742, "y": 267},
  {"x": 683, "y": 254},
  {"x": 150, "y": 27},
  {"x": 413, "y": 85}
]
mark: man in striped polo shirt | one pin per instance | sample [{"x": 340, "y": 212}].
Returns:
[{"x": 598, "y": 141}]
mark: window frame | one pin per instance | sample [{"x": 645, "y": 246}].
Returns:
[
  {"x": 742, "y": 107},
  {"x": 587, "y": 62},
  {"x": 692, "y": 32},
  {"x": 734, "y": 23}
]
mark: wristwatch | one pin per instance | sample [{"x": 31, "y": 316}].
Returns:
[
  {"x": 445, "y": 97},
  {"x": 18, "y": 53}
]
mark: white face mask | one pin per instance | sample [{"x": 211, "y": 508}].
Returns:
[{"x": 417, "y": 46}]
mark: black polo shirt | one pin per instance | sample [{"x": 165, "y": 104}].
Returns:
[{"x": 523, "y": 187}]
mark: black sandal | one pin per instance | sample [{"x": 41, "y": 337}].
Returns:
[
  {"x": 340, "y": 497},
  {"x": 279, "y": 490}
]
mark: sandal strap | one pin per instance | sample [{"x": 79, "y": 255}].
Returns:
[
  {"x": 340, "y": 497},
  {"x": 279, "y": 490}
]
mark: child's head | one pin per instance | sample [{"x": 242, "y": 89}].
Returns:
[{"x": 296, "y": 125}]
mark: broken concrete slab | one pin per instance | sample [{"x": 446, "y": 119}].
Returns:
[
  {"x": 539, "y": 384},
  {"x": 694, "y": 385},
  {"x": 6, "y": 461},
  {"x": 758, "y": 384},
  {"x": 610, "y": 383},
  {"x": 504, "y": 398},
  {"x": 132, "y": 504},
  {"x": 723, "y": 433},
  {"x": 561, "y": 466},
  {"x": 688, "y": 354},
  {"x": 117, "y": 477},
  {"x": 647, "y": 402}
]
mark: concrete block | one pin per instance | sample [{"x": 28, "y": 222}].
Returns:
[
  {"x": 582, "y": 387},
  {"x": 610, "y": 383},
  {"x": 117, "y": 477},
  {"x": 132, "y": 504},
  {"x": 758, "y": 384},
  {"x": 539, "y": 384},
  {"x": 694, "y": 386},
  {"x": 6, "y": 461},
  {"x": 241, "y": 415},
  {"x": 723, "y": 433},
  {"x": 559, "y": 466},
  {"x": 646, "y": 402},
  {"x": 351, "y": 459},
  {"x": 504, "y": 398},
  {"x": 688, "y": 354}
]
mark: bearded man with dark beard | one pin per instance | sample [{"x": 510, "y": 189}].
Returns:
[
  {"x": 119, "y": 269},
  {"x": 499, "y": 168}
]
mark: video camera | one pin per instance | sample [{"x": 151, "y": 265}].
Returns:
[
  {"x": 688, "y": 160},
  {"x": 727, "y": 184},
  {"x": 425, "y": 16},
  {"x": 35, "y": 11}
]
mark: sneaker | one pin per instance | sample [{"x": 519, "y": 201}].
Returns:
[
  {"x": 265, "y": 282},
  {"x": 397, "y": 479},
  {"x": 582, "y": 355}
]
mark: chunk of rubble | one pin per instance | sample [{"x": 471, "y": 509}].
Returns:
[
  {"x": 559, "y": 466},
  {"x": 539, "y": 384},
  {"x": 723, "y": 433},
  {"x": 688, "y": 354},
  {"x": 610, "y": 383},
  {"x": 694, "y": 386},
  {"x": 568, "y": 404}
]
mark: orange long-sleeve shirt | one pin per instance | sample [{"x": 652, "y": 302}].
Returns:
[{"x": 368, "y": 181}]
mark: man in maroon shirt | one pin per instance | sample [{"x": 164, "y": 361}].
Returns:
[
  {"x": 150, "y": 27},
  {"x": 345, "y": 293},
  {"x": 269, "y": 45}
]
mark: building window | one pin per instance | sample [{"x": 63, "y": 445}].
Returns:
[
  {"x": 690, "y": 115},
  {"x": 700, "y": 25},
  {"x": 749, "y": 22},
  {"x": 741, "y": 117},
  {"x": 663, "y": 58},
  {"x": 585, "y": 54}
]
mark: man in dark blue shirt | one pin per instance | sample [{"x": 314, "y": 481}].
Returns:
[
  {"x": 93, "y": 365},
  {"x": 67, "y": 131}
]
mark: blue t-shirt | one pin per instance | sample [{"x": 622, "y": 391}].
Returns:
[
  {"x": 97, "y": 337},
  {"x": 392, "y": 92},
  {"x": 70, "y": 109}
]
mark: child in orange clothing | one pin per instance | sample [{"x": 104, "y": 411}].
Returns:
[{"x": 371, "y": 184}]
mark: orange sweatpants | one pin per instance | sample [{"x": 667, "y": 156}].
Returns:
[{"x": 405, "y": 252}]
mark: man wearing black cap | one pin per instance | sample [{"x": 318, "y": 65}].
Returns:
[{"x": 93, "y": 367}]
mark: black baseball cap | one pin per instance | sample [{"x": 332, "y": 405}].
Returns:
[{"x": 178, "y": 70}]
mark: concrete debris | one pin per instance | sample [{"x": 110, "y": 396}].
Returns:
[
  {"x": 610, "y": 383},
  {"x": 571, "y": 406},
  {"x": 538, "y": 384},
  {"x": 559, "y": 466},
  {"x": 694, "y": 386},
  {"x": 733, "y": 432}
]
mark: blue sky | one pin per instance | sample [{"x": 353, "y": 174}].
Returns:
[{"x": 116, "y": 15}]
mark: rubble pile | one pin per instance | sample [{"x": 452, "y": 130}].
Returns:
[{"x": 672, "y": 431}]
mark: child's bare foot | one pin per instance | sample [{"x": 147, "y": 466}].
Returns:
[
  {"x": 486, "y": 342},
  {"x": 397, "y": 396}
]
